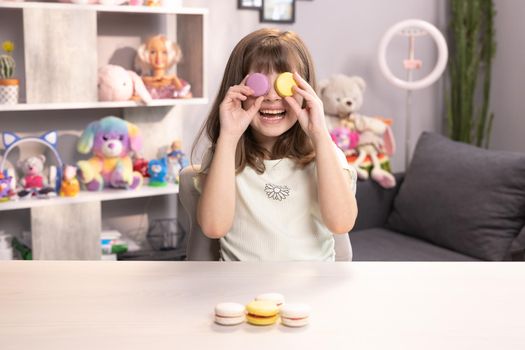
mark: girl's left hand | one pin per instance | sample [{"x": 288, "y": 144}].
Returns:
[{"x": 311, "y": 118}]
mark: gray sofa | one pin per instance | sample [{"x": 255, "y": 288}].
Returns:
[{"x": 456, "y": 202}]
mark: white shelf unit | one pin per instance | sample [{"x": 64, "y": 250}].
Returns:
[
  {"x": 69, "y": 228},
  {"x": 86, "y": 196},
  {"x": 96, "y": 105}
]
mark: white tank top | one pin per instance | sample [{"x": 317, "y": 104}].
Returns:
[{"x": 277, "y": 215}]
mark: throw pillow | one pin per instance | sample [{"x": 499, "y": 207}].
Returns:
[{"x": 461, "y": 197}]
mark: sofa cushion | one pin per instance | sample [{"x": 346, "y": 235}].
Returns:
[
  {"x": 379, "y": 244},
  {"x": 461, "y": 197}
]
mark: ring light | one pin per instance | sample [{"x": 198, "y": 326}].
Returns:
[{"x": 413, "y": 28}]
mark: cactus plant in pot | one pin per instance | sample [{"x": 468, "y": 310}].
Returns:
[{"x": 8, "y": 84}]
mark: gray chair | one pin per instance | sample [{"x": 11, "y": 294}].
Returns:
[{"x": 202, "y": 248}]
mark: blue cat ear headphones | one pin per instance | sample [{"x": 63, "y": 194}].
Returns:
[{"x": 49, "y": 139}]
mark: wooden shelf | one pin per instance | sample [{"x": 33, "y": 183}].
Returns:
[
  {"x": 85, "y": 196},
  {"x": 105, "y": 8},
  {"x": 95, "y": 105}
]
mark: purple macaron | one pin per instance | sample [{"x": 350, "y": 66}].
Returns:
[{"x": 258, "y": 83}]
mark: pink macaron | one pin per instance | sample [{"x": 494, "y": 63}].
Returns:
[
  {"x": 229, "y": 314},
  {"x": 295, "y": 315},
  {"x": 259, "y": 83}
]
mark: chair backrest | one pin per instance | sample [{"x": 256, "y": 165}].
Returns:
[{"x": 202, "y": 248}]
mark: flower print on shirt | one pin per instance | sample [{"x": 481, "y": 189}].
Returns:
[{"x": 276, "y": 192}]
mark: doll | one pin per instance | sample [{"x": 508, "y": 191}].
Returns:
[{"x": 156, "y": 56}]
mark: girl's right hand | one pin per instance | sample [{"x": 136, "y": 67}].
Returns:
[{"x": 233, "y": 117}]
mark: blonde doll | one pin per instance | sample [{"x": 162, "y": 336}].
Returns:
[{"x": 156, "y": 56}]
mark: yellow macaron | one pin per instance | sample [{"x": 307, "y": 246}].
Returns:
[
  {"x": 262, "y": 313},
  {"x": 284, "y": 84}
]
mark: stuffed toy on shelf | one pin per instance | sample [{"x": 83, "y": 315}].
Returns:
[
  {"x": 112, "y": 141},
  {"x": 70, "y": 185},
  {"x": 118, "y": 84},
  {"x": 368, "y": 142},
  {"x": 158, "y": 171},
  {"x": 154, "y": 58},
  {"x": 33, "y": 180}
]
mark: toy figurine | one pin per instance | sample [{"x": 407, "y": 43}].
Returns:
[
  {"x": 156, "y": 56},
  {"x": 70, "y": 185},
  {"x": 6, "y": 192},
  {"x": 157, "y": 170},
  {"x": 177, "y": 161},
  {"x": 140, "y": 165}
]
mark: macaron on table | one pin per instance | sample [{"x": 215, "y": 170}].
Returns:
[
  {"x": 264, "y": 310},
  {"x": 295, "y": 315},
  {"x": 229, "y": 314},
  {"x": 276, "y": 298}
]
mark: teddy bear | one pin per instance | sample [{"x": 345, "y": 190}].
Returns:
[
  {"x": 367, "y": 141},
  {"x": 118, "y": 84},
  {"x": 33, "y": 180},
  {"x": 112, "y": 141}
]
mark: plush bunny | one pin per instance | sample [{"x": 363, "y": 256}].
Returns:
[
  {"x": 342, "y": 98},
  {"x": 117, "y": 84},
  {"x": 112, "y": 140}
]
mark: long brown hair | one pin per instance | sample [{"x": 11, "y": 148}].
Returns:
[{"x": 264, "y": 50}]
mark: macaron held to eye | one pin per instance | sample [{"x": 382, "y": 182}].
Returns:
[
  {"x": 229, "y": 314},
  {"x": 284, "y": 84},
  {"x": 262, "y": 313},
  {"x": 259, "y": 83}
]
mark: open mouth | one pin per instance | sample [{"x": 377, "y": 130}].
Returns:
[{"x": 272, "y": 114}]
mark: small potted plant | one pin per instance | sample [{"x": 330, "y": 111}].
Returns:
[{"x": 8, "y": 85}]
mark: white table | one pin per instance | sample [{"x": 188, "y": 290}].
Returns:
[{"x": 169, "y": 305}]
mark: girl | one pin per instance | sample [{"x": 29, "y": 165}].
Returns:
[{"x": 273, "y": 184}]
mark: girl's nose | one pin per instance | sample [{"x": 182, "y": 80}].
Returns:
[{"x": 272, "y": 95}]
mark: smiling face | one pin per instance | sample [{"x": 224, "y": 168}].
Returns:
[{"x": 275, "y": 116}]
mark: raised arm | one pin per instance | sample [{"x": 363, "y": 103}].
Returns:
[
  {"x": 216, "y": 206},
  {"x": 336, "y": 197}
]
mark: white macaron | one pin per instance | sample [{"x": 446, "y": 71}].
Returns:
[
  {"x": 295, "y": 315},
  {"x": 276, "y": 298},
  {"x": 229, "y": 314}
]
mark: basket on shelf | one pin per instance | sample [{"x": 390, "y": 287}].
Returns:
[
  {"x": 8, "y": 84},
  {"x": 165, "y": 234}
]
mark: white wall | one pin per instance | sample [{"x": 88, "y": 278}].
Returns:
[
  {"x": 343, "y": 37},
  {"x": 508, "y": 78}
]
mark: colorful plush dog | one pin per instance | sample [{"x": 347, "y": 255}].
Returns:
[{"x": 112, "y": 140}]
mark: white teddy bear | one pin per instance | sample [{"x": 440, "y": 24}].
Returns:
[{"x": 342, "y": 97}]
